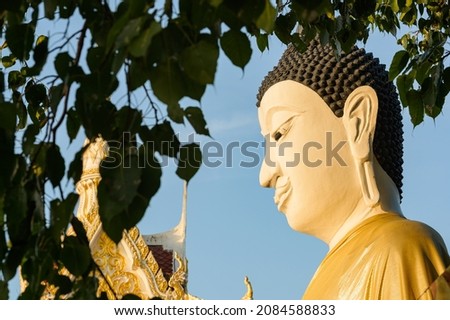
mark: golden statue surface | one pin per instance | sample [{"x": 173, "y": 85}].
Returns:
[{"x": 334, "y": 152}]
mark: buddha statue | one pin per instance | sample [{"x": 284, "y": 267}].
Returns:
[{"x": 334, "y": 136}]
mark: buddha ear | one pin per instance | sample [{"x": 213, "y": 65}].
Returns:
[{"x": 360, "y": 117}]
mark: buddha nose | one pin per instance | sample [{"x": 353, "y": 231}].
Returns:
[{"x": 268, "y": 173}]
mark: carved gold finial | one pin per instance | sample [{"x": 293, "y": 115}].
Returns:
[
  {"x": 95, "y": 152},
  {"x": 249, "y": 294},
  {"x": 178, "y": 279}
]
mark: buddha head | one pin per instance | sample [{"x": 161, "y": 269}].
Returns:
[{"x": 334, "y": 136}]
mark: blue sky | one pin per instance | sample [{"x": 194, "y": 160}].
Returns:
[{"x": 234, "y": 228}]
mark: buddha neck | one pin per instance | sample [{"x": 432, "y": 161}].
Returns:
[{"x": 389, "y": 203}]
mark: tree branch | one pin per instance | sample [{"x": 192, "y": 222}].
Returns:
[{"x": 66, "y": 89}]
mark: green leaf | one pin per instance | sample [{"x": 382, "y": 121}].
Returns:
[
  {"x": 8, "y": 61},
  {"x": 167, "y": 82},
  {"x": 63, "y": 62},
  {"x": 55, "y": 96},
  {"x": 22, "y": 114},
  {"x": 127, "y": 11},
  {"x": 194, "y": 89},
  {"x": 16, "y": 211},
  {"x": 2, "y": 87},
  {"x": 284, "y": 25},
  {"x": 21, "y": 110},
  {"x": 97, "y": 118},
  {"x": 63, "y": 283},
  {"x": 41, "y": 39},
  {"x": 199, "y": 61},
  {"x": 116, "y": 221},
  {"x": 399, "y": 62},
  {"x": 262, "y": 40},
  {"x": 128, "y": 120},
  {"x": 404, "y": 84},
  {"x": 36, "y": 94},
  {"x": 237, "y": 47},
  {"x": 76, "y": 256},
  {"x": 4, "y": 291},
  {"x": 15, "y": 79},
  {"x": 446, "y": 77},
  {"x": 197, "y": 120},
  {"x": 66, "y": 8},
  {"x": 55, "y": 167},
  {"x": 137, "y": 75},
  {"x": 40, "y": 55},
  {"x": 99, "y": 85},
  {"x": 12, "y": 261},
  {"x": 189, "y": 161},
  {"x": 60, "y": 214},
  {"x": 215, "y": 3},
  {"x": 116, "y": 191},
  {"x": 73, "y": 124},
  {"x": 441, "y": 95},
  {"x": 118, "y": 60},
  {"x": 161, "y": 138},
  {"x": 416, "y": 110},
  {"x": 301, "y": 46},
  {"x": 394, "y": 5},
  {"x": 20, "y": 40},
  {"x": 409, "y": 16},
  {"x": 138, "y": 47},
  {"x": 3, "y": 244},
  {"x": 249, "y": 12},
  {"x": 150, "y": 183},
  {"x": 365, "y": 8},
  {"x": 29, "y": 137},
  {"x": 94, "y": 58},
  {"x": 266, "y": 20},
  {"x": 50, "y": 8},
  {"x": 7, "y": 139},
  {"x": 131, "y": 30},
  {"x": 8, "y": 117},
  {"x": 76, "y": 166},
  {"x": 423, "y": 71},
  {"x": 428, "y": 91},
  {"x": 38, "y": 153},
  {"x": 176, "y": 113},
  {"x": 78, "y": 227}
]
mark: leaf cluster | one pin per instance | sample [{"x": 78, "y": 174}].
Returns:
[
  {"x": 56, "y": 84},
  {"x": 419, "y": 67},
  {"x": 61, "y": 83}
]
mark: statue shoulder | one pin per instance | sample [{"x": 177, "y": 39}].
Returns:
[
  {"x": 416, "y": 254},
  {"x": 414, "y": 231},
  {"x": 402, "y": 229},
  {"x": 410, "y": 237}
]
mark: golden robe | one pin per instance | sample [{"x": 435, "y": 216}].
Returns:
[{"x": 385, "y": 257}]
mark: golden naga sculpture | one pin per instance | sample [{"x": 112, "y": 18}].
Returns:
[
  {"x": 147, "y": 266},
  {"x": 334, "y": 157},
  {"x": 129, "y": 267}
]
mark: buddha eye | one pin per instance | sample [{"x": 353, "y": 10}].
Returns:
[
  {"x": 283, "y": 129},
  {"x": 277, "y": 136}
]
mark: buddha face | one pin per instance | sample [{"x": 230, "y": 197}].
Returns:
[{"x": 308, "y": 160}]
